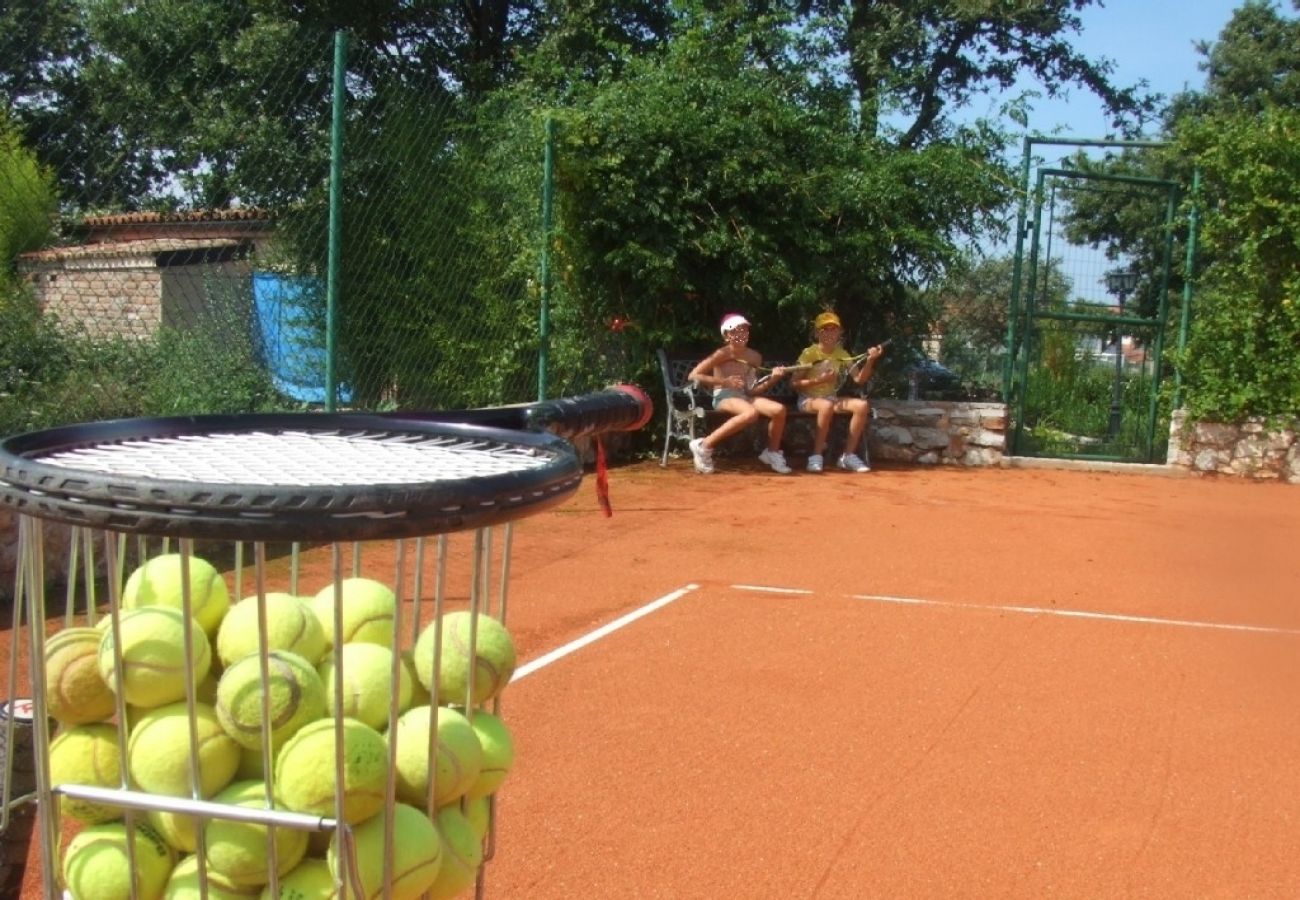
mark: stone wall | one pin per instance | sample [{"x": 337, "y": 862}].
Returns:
[
  {"x": 938, "y": 432},
  {"x": 1251, "y": 449},
  {"x": 915, "y": 432}
]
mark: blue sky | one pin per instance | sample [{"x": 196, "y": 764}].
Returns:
[{"x": 1145, "y": 39}]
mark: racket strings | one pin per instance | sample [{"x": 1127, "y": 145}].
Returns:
[{"x": 302, "y": 458}]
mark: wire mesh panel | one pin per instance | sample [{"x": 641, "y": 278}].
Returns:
[
  {"x": 190, "y": 158},
  {"x": 283, "y": 644},
  {"x": 1091, "y": 321}
]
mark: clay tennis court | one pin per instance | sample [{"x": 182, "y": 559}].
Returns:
[{"x": 912, "y": 683}]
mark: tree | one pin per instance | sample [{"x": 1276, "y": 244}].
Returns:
[
  {"x": 920, "y": 59},
  {"x": 1253, "y": 75},
  {"x": 1241, "y": 359},
  {"x": 27, "y": 199},
  {"x": 706, "y": 179}
]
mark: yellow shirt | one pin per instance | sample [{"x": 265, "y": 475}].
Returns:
[{"x": 839, "y": 358}]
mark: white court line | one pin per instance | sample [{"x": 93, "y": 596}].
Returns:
[
  {"x": 560, "y": 652},
  {"x": 769, "y": 590},
  {"x": 1078, "y": 614}
]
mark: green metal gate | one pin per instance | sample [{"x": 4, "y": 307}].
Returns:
[{"x": 1087, "y": 332}]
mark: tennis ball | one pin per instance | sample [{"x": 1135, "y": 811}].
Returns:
[
  {"x": 311, "y": 880},
  {"x": 290, "y": 625},
  {"x": 462, "y": 854},
  {"x": 158, "y": 751},
  {"x": 250, "y": 764},
  {"x": 367, "y": 684},
  {"x": 494, "y": 658},
  {"x": 460, "y": 758},
  {"x": 89, "y": 755},
  {"x": 368, "y": 610},
  {"x": 416, "y": 854},
  {"x": 184, "y": 884},
  {"x": 159, "y": 582},
  {"x": 305, "y": 770},
  {"x": 498, "y": 753},
  {"x": 295, "y": 692},
  {"x": 179, "y": 830},
  {"x": 96, "y": 865},
  {"x": 153, "y": 656},
  {"x": 75, "y": 692},
  {"x": 479, "y": 813},
  {"x": 419, "y": 693},
  {"x": 239, "y": 851}
]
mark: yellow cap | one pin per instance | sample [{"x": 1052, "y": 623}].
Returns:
[{"x": 826, "y": 318}]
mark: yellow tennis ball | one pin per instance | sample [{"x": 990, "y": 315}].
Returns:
[
  {"x": 96, "y": 865},
  {"x": 310, "y": 880},
  {"x": 75, "y": 692},
  {"x": 239, "y": 851},
  {"x": 184, "y": 884},
  {"x": 158, "y": 751},
  {"x": 250, "y": 764},
  {"x": 87, "y": 755},
  {"x": 460, "y": 758},
  {"x": 479, "y": 813},
  {"x": 416, "y": 854},
  {"x": 291, "y": 625},
  {"x": 159, "y": 582},
  {"x": 494, "y": 657},
  {"x": 367, "y": 684},
  {"x": 305, "y": 776},
  {"x": 419, "y": 693},
  {"x": 153, "y": 656},
  {"x": 498, "y": 753},
  {"x": 368, "y": 610},
  {"x": 462, "y": 854},
  {"x": 293, "y": 690}
]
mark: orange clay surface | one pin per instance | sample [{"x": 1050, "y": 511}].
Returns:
[{"x": 909, "y": 683}]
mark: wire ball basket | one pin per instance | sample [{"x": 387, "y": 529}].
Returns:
[{"x": 276, "y": 656}]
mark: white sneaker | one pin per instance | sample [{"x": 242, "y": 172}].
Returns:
[
  {"x": 815, "y": 463},
  {"x": 853, "y": 463},
  {"x": 775, "y": 459},
  {"x": 703, "y": 457}
]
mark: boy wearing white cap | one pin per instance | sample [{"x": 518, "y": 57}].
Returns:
[
  {"x": 729, "y": 372},
  {"x": 817, "y": 385}
]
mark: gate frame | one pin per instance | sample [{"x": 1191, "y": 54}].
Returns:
[{"x": 1015, "y": 365}]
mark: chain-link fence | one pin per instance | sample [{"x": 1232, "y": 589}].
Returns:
[{"x": 251, "y": 214}]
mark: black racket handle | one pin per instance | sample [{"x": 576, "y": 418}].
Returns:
[{"x": 624, "y": 407}]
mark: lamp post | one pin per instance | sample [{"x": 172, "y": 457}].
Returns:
[{"x": 1120, "y": 283}]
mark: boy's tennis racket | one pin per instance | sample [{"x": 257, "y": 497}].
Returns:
[
  {"x": 311, "y": 476},
  {"x": 844, "y": 367}
]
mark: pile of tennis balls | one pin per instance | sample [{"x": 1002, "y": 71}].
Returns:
[{"x": 438, "y": 854}]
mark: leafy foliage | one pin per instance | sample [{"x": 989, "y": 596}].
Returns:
[
  {"x": 27, "y": 199},
  {"x": 1241, "y": 359}
]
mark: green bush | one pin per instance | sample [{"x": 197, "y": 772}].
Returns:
[{"x": 1241, "y": 358}]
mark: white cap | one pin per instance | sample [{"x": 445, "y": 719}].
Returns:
[{"x": 734, "y": 320}]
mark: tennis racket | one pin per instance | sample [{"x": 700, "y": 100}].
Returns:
[
  {"x": 755, "y": 384},
  {"x": 844, "y": 367},
  {"x": 311, "y": 476}
]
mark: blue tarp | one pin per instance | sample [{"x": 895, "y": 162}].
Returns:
[{"x": 292, "y": 340}]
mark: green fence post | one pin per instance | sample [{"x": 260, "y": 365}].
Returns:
[
  {"x": 1189, "y": 265},
  {"x": 544, "y": 262},
  {"x": 336, "y": 219}
]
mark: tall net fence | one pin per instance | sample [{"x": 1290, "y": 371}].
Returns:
[
  {"x": 187, "y": 188},
  {"x": 1094, "y": 322}
]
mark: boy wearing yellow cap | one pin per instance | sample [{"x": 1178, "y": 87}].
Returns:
[
  {"x": 817, "y": 385},
  {"x": 729, "y": 372}
]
